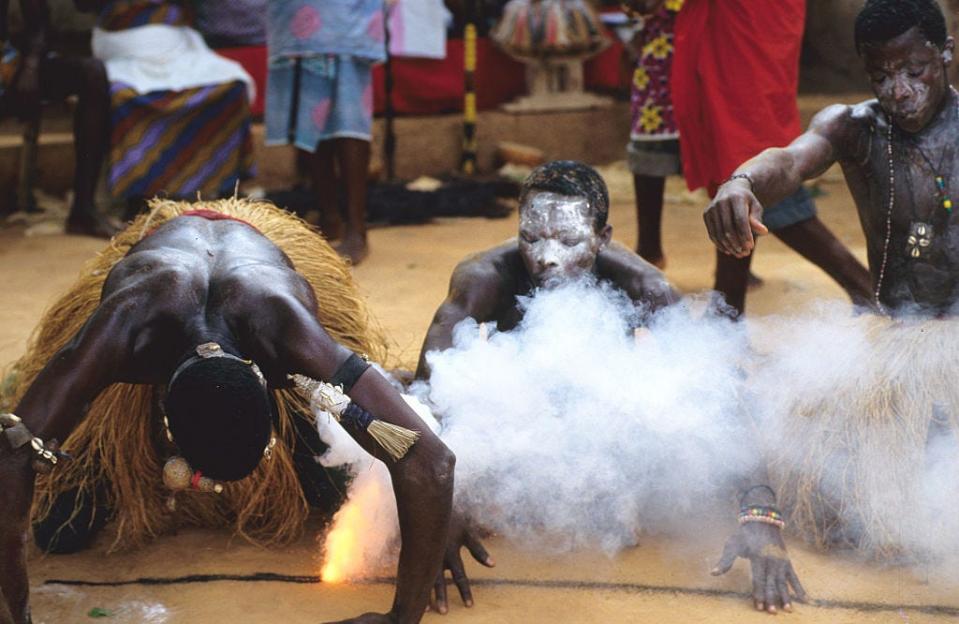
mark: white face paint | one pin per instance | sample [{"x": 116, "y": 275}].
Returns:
[
  {"x": 908, "y": 77},
  {"x": 557, "y": 239}
]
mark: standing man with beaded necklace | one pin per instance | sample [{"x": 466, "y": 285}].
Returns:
[
  {"x": 898, "y": 155},
  {"x": 897, "y": 152}
]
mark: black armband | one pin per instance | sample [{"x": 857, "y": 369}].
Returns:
[{"x": 349, "y": 372}]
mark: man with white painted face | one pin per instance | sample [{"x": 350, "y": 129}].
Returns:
[
  {"x": 898, "y": 154},
  {"x": 563, "y": 235}
]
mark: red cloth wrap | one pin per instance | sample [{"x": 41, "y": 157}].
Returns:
[
  {"x": 212, "y": 215},
  {"x": 209, "y": 215},
  {"x": 735, "y": 79},
  {"x": 195, "y": 480}
]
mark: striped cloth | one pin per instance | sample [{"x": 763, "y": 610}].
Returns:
[
  {"x": 178, "y": 143},
  {"x": 180, "y": 115}
]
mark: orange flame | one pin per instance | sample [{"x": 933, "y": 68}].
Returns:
[{"x": 363, "y": 530}]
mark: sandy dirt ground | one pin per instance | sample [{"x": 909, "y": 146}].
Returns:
[{"x": 405, "y": 278}]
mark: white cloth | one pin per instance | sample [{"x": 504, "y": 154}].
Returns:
[
  {"x": 418, "y": 28},
  {"x": 159, "y": 57}
]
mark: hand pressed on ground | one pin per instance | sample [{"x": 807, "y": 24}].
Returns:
[{"x": 772, "y": 571}]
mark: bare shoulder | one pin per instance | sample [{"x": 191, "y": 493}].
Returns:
[
  {"x": 158, "y": 274},
  {"x": 618, "y": 258},
  {"x": 845, "y": 125},
  {"x": 488, "y": 272},
  {"x": 643, "y": 282}
]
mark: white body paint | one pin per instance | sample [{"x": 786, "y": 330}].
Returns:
[{"x": 557, "y": 238}]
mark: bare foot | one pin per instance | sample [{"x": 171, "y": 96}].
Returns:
[
  {"x": 86, "y": 224},
  {"x": 354, "y": 248},
  {"x": 332, "y": 226}
]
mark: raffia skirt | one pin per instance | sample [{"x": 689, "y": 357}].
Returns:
[{"x": 117, "y": 442}]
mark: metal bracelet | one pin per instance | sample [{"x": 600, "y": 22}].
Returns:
[
  {"x": 740, "y": 176},
  {"x": 18, "y": 435}
]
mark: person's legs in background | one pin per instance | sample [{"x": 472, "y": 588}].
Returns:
[
  {"x": 326, "y": 189},
  {"x": 732, "y": 281},
  {"x": 814, "y": 242},
  {"x": 795, "y": 223},
  {"x": 650, "y": 162},
  {"x": 353, "y": 158},
  {"x": 87, "y": 79},
  {"x": 649, "y": 216}
]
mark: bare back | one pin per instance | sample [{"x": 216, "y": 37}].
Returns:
[{"x": 194, "y": 280}]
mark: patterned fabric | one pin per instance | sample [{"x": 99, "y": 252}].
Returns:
[
  {"x": 318, "y": 98},
  {"x": 305, "y": 27},
  {"x": 126, "y": 14},
  {"x": 651, "y": 102},
  {"x": 180, "y": 117},
  {"x": 178, "y": 143},
  {"x": 9, "y": 63}
]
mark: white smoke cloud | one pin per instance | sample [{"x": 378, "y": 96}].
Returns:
[
  {"x": 862, "y": 411},
  {"x": 569, "y": 430},
  {"x": 571, "y": 433}
]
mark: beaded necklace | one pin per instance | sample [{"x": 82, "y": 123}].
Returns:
[{"x": 920, "y": 234}]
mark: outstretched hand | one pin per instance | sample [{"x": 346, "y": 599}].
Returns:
[
  {"x": 461, "y": 534},
  {"x": 732, "y": 218},
  {"x": 773, "y": 572}
]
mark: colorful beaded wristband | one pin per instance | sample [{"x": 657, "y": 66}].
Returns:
[{"x": 762, "y": 513}]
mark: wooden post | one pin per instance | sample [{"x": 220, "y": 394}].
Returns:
[
  {"x": 389, "y": 141},
  {"x": 468, "y": 159}
]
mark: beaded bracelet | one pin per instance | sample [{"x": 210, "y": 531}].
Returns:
[{"x": 762, "y": 513}]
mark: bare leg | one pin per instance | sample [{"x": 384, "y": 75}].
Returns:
[
  {"x": 353, "y": 156},
  {"x": 87, "y": 79},
  {"x": 732, "y": 280},
  {"x": 649, "y": 215},
  {"x": 814, "y": 242},
  {"x": 326, "y": 190}
]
